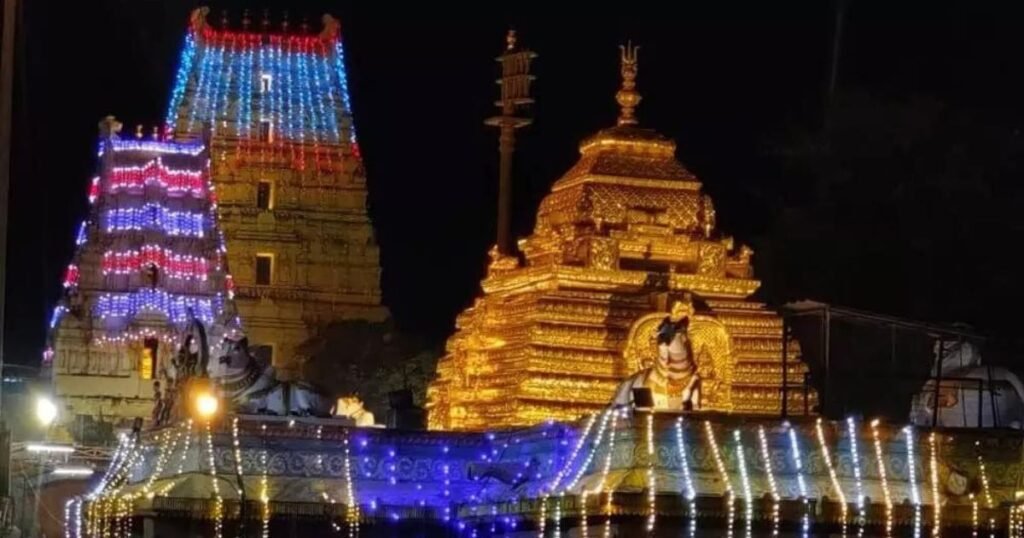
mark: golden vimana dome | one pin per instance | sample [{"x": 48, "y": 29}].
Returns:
[{"x": 625, "y": 232}]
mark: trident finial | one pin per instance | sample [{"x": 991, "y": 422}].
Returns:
[
  {"x": 510, "y": 39},
  {"x": 627, "y": 97}
]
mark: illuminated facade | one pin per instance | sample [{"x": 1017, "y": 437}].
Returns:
[
  {"x": 290, "y": 181},
  {"x": 624, "y": 232},
  {"x": 148, "y": 257}
]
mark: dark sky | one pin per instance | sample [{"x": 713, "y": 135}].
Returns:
[{"x": 718, "y": 79}]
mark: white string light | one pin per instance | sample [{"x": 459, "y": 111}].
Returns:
[
  {"x": 265, "y": 488},
  {"x": 772, "y": 485},
  {"x": 915, "y": 495},
  {"x": 851, "y": 428},
  {"x": 684, "y": 462},
  {"x": 936, "y": 498},
  {"x": 883, "y": 476},
  {"x": 722, "y": 473},
  {"x": 218, "y": 502},
  {"x": 836, "y": 487},
  {"x": 798, "y": 464},
  {"x": 989, "y": 505},
  {"x": 652, "y": 485},
  {"x": 585, "y": 531},
  {"x": 748, "y": 495}
]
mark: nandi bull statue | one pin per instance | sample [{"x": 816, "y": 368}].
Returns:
[
  {"x": 248, "y": 384},
  {"x": 673, "y": 357}
]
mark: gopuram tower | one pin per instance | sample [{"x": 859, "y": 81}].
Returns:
[
  {"x": 622, "y": 234},
  {"x": 290, "y": 181}
]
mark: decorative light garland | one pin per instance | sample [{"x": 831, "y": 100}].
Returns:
[
  {"x": 974, "y": 515},
  {"x": 175, "y": 307},
  {"x": 71, "y": 276},
  {"x": 748, "y": 496},
  {"x": 584, "y": 525},
  {"x": 265, "y": 488},
  {"x": 684, "y": 462},
  {"x": 773, "y": 487},
  {"x": 561, "y": 473},
  {"x": 176, "y": 182},
  {"x": 157, "y": 146},
  {"x": 722, "y": 473},
  {"x": 851, "y": 428},
  {"x": 352, "y": 508},
  {"x": 936, "y": 498},
  {"x": 798, "y": 464},
  {"x": 174, "y": 264},
  {"x": 155, "y": 217},
  {"x": 218, "y": 501},
  {"x": 652, "y": 485},
  {"x": 989, "y": 505},
  {"x": 836, "y": 487},
  {"x": 915, "y": 495},
  {"x": 594, "y": 443},
  {"x": 188, "y": 55},
  {"x": 883, "y": 476}
]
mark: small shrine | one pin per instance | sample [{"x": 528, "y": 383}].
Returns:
[{"x": 624, "y": 234}]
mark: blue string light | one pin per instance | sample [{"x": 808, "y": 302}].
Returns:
[
  {"x": 153, "y": 216},
  {"x": 181, "y": 79}
]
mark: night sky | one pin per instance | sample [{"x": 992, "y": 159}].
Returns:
[{"x": 720, "y": 80}]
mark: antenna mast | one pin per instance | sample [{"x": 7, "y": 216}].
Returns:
[{"x": 515, "y": 93}]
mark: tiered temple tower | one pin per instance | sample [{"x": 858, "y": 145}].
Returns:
[
  {"x": 149, "y": 257},
  {"x": 290, "y": 181},
  {"x": 621, "y": 233}
]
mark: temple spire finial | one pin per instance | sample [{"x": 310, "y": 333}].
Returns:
[
  {"x": 510, "y": 39},
  {"x": 628, "y": 97}
]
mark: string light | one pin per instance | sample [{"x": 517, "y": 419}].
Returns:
[
  {"x": 352, "y": 507},
  {"x": 562, "y": 473},
  {"x": 218, "y": 502},
  {"x": 836, "y": 487},
  {"x": 851, "y": 428},
  {"x": 915, "y": 495},
  {"x": 748, "y": 496},
  {"x": 974, "y": 515},
  {"x": 772, "y": 486},
  {"x": 71, "y": 276},
  {"x": 188, "y": 55},
  {"x": 265, "y": 488},
  {"x": 594, "y": 443},
  {"x": 157, "y": 146},
  {"x": 155, "y": 217},
  {"x": 936, "y": 499},
  {"x": 722, "y": 473},
  {"x": 173, "y": 264},
  {"x": 794, "y": 446},
  {"x": 177, "y": 182},
  {"x": 584, "y": 526},
  {"x": 652, "y": 485},
  {"x": 177, "y": 308},
  {"x": 886, "y": 494},
  {"x": 989, "y": 505},
  {"x": 684, "y": 463}
]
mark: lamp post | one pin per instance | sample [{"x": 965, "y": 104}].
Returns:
[{"x": 205, "y": 407}]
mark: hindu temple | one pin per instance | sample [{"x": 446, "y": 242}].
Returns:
[{"x": 616, "y": 379}]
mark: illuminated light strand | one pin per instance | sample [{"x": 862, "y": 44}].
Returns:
[
  {"x": 172, "y": 305},
  {"x": 587, "y": 460},
  {"x": 974, "y": 515},
  {"x": 265, "y": 96},
  {"x": 71, "y": 276},
  {"x": 652, "y": 489},
  {"x": 836, "y": 487},
  {"x": 265, "y": 489},
  {"x": 684, "y": 462},
  {"x": 94, "y": 189},
  {"x": 604, "y": 477},
  {"x": 279, "y": 92},
  {"x": 174, "y": 264},
  {"x": 299, "y": 61},
  {"x": 772, "y": 485},
  {"x": 212, "y": 109},
  {"x": 352, "y": 508},
  {"x": 989, "y": 505},
  {"x": 218, "y": 502},
  {"x": 915, "y": 494},
  {"x": 723, "y": 474},
  {"x": 936, "y": 498},
  {"x": 155, "y": 217},
  {"x": 181, "y": 78},
  {"x": 174, "y": 181},
  {"x": 166, "y": 447},
  {"x": 851, "y": 428},
  {"x": 563, "y": 472},
  {"x": 317, "y": 96},
  {"x": 748, "y": 496},
  {"x": 886, "y": 493},
  {"x": 228, "y": 67},
  {"x": 157, "y": 146},
  {"x": 58, "y": 312},
  {"x": 339, "y": 59},
  {"x": 325, "y": 72},
  {"x": 82, "y": 236},
  {"x": 794, "y": 445},
  {"x": 202, "y": 86}
]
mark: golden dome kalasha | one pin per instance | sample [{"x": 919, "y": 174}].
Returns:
[{"x": 625, "y": 231}]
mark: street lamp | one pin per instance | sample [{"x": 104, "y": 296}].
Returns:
[
  {"x": 206, "y": 405},
  {"x": 46, "y": 411}
]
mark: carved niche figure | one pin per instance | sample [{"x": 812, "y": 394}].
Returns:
[{"x": 685, "y": 359}]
